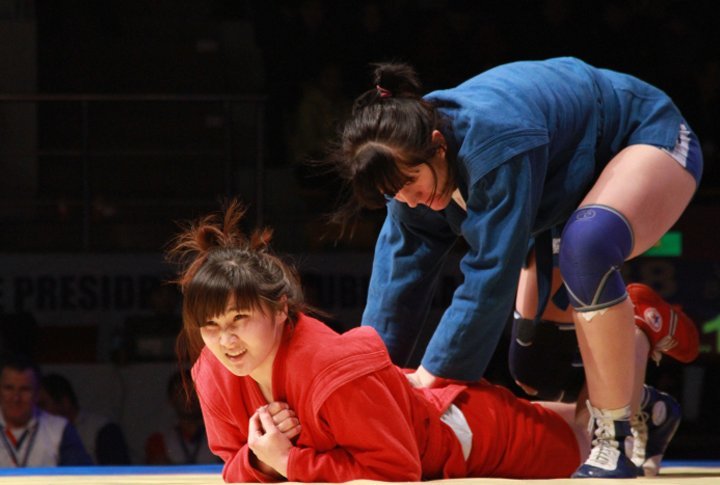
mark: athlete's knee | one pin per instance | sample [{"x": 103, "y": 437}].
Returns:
[{"x": 595, "y": 242}]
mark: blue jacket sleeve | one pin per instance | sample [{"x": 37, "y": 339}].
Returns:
[
  {"x": 409, "y": 254},
  {"x": 497, "y": 228},
  {"x": 72, "y": 451}
]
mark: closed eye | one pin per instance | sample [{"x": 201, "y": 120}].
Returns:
[{"x": 241, "y": 315}]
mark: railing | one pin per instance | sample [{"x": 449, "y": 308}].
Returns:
[{"x": 72, "y": 136}]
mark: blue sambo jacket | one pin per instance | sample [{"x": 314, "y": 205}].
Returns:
[{"x": 529, "y": 139}]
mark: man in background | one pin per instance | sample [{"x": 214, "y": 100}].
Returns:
[{"x": 31, "y": 437}]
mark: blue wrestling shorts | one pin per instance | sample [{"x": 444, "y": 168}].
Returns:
[{"x": 687, "y": 152}]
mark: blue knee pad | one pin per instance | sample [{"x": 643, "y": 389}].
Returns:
[{"x": 595, "y": 242}]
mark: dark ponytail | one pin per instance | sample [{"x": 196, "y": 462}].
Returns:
[
  {"x": 391, "y": 80},
  {"x": 390, "y": 123}
]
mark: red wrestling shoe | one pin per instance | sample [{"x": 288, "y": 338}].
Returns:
[{"x": 668, "y": 329}]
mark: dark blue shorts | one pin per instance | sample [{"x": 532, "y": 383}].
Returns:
[{"x": 687, "y": 152}]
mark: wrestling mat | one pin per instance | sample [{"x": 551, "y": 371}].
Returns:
[{"x": 680, "y": 472}]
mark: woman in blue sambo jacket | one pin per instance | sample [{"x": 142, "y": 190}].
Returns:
[{"x": 502, "y": 160}]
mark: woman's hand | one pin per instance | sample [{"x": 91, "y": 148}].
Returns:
[
  {"x": 422, "y": 378},
  {"x": 270, "y": 445},
  {"x": 284, "y": 418}
]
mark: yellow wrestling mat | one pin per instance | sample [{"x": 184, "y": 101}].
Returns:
[{"x": 685, "y": 473}]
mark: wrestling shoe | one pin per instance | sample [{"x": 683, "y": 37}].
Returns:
[
  {"x": 607, "y": 460},
  {"x": 652, "y": 428},
  {"x": 669, "y": 330}
]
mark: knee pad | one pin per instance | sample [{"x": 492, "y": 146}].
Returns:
[
  {"x": 595, "y": 242},
  {"x": 546, "y": 357}
]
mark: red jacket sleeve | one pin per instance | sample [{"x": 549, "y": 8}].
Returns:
[
  {"x": 226, "y": 420},
  {"x": 228, "y": 442},
  {"x": 373, "y": 434}
]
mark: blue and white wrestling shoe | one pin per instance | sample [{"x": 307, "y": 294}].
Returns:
[
  {"x": 652, "y": 429},
  {"x": 607, "y": 457}
]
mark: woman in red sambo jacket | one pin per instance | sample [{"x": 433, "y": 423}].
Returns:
[{"x": 285, "y": 397}]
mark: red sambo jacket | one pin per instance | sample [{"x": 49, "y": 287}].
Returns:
[{"x": 361, "y": 418}]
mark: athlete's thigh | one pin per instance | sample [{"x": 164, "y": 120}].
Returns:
[{"x": 648, "y": 187}]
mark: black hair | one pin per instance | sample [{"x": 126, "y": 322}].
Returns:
[
  {"x": 218, "y": 261},
  {"x": 391, "y": 126}
]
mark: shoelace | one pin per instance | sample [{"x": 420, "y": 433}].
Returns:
[
  {"x": 668, "y": 341},
  {"x": 604, "y": 454},
  {"x": 664, "y": 344},
  {"x": 605, "y": 451},
  {"x": 639, "y": 428}
]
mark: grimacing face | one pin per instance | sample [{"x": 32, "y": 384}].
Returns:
[{"x": 245, "y": 341}]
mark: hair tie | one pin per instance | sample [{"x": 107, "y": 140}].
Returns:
[{"x": 382, "y": 92}]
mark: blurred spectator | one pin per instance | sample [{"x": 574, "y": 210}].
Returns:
[
  {"x": 295, "y": 38},
  {"x": 185, "y": 442},
  {"x": 102, "y": 438},
  {"x": 30, "y": 436},
  {"x": 322, "y": 105}
]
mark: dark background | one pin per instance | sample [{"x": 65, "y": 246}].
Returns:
[
  {"x": 301, "y": 63},
  {"x": 113, "y": 175}
]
